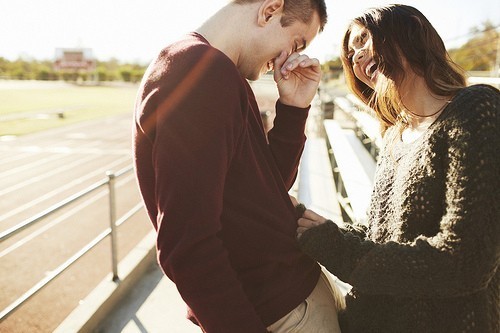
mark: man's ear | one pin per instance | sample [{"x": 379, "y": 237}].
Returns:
[{"x": 268, "y": 10}]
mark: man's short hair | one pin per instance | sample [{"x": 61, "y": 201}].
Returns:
[{"x": 299, "y": 10}]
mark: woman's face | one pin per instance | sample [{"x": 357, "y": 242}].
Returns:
[{"x": 360, "y": 54}]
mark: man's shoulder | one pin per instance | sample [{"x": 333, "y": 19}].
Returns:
[
  {"x": 191, "y": 49},
  {"x": 191, "y": 56}
]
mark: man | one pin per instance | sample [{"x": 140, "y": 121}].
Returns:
[{"x": 215, "y": 187}]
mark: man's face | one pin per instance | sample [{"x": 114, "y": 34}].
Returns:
[{"x": 271, "y": 40}]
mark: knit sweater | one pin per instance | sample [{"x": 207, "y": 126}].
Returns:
[
  {"x": 428, "y": 260},
  {"x": 215, "y": 189}
]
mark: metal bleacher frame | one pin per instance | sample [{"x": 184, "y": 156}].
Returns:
[{"x": 353, "y": 153}]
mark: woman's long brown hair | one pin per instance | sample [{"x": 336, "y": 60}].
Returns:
[{"x": 401, "y": 34}]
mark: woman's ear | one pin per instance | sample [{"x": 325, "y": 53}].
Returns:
[{"x": 268, "y": 10}]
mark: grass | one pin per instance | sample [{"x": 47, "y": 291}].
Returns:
[{"x": 28, "y": 109}]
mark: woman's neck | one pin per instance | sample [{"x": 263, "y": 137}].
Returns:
[{"x": 420, "y": 105}]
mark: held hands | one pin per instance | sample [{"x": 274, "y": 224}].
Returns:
[
  {"x": 297, "y": 77},
  {"x": 309, "y": 220}
]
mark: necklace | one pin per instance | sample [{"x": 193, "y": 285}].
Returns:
[{"x": 429, "y": 115}]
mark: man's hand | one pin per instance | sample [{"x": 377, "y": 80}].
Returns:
[
  {"x": 295, "y": 202},
  {"x": 297, "y": 77},
  {"x": 309, "y": 220}
]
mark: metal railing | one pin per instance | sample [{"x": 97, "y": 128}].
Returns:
[{"x": 111, "y": 231}]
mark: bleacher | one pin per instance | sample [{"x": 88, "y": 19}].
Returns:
[
  {"x": 337, "y": 168},
  {"x": 353, "y": 141},
  {"x": 366, "y": 125},
  {"x": 353, "y": 171}
]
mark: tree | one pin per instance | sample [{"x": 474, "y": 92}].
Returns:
[
  {"x": 332, "y": 68},
  {"x": 479, "y": 53},
  {"x": 30, "y": 69}
]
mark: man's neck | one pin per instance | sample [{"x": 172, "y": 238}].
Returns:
[{"x": 219, "y": 30}]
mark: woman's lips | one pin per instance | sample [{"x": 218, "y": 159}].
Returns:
[{"x": 371, "y": 70}]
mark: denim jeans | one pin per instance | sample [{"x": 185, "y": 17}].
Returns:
[{"x": 318, "y": 312}]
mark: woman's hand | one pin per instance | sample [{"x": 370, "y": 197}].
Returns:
[
  {"x": 297, "y": 77},
  {"x": 309, "y": 220}
]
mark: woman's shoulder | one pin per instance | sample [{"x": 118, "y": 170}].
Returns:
[
  {"x": 481, "y": 89},
  {"x": 479, "y": 95},
  {"x": 476, "y": 103},
  {"x": 472, "y": 117}
]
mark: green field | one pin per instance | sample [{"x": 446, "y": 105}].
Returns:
[{"x": 31, "y": 107}]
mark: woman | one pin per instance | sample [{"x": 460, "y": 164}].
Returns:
[{"x": 428, "y": 259}]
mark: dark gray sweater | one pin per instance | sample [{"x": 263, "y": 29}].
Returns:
[{"x": 428, "y": 261}]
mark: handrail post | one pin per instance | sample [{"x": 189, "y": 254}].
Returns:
[{"x": 112, "y": 222}]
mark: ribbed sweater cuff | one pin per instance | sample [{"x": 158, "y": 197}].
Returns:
[{"x": 290, "y": 121}]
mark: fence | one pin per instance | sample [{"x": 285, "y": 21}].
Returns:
[{"x": 111, "y": 231}]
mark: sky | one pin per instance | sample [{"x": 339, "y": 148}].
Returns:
[{"x": 134, "y": 30}]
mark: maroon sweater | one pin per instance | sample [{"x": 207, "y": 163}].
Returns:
[{"x": 216, "y": 189}]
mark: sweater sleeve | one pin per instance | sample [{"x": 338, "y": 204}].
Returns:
[
  {"x": 463, "y": 257},
  {"x": 287, "y": 139},
  {"x": 199, "y": 124}
]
